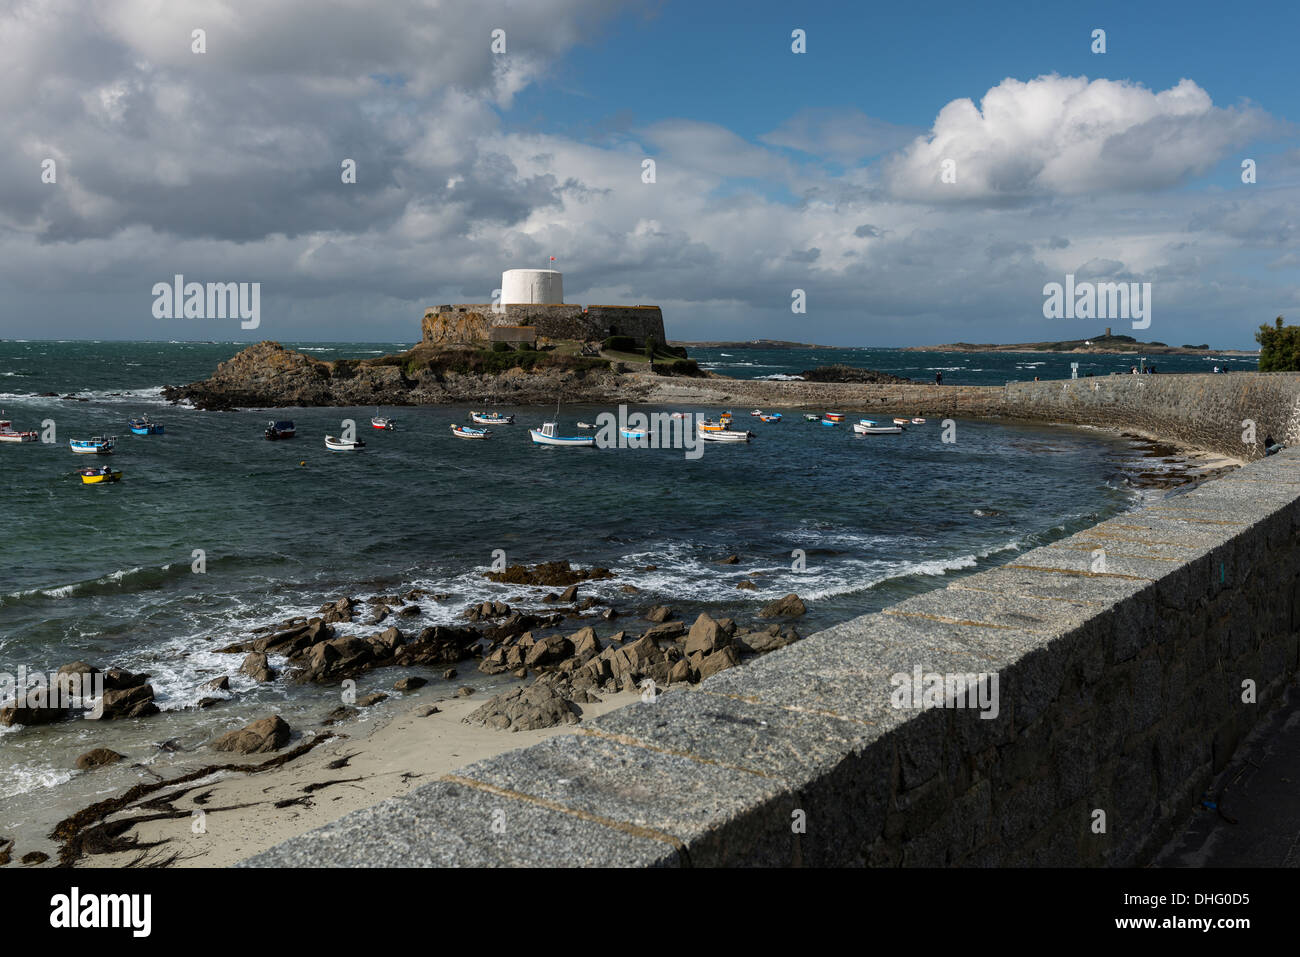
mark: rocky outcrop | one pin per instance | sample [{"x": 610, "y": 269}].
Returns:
[
  {"x": 538, "y": 705},
  {"x": 260, "y": 737},
  {"x": 98, "y": 757}
]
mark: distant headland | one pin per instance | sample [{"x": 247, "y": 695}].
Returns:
[{"x": 1105, "y": 344}]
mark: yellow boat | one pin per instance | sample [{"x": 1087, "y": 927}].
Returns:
[{"x": 99, "y": 476}]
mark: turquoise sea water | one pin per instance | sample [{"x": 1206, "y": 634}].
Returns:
[{"x": 105, "y": 573}]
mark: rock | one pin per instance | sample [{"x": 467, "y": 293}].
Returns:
[
  {"x": 449, "y": 674},
  {"x": 550, "y": 650},
  {"x": 723, "y": 658},
  {"x": 746, "y": 585},
  {"x": 494, "y": 663},
  {"x": 667, "y": 631},
  {"x": 424, "y": 710},
  {"x": 730, "y": 560},
  {"x": 659, "y": 613},
  {"x": 260, "y": 737},
  {"x": 791, "y": 606},
  {"x": 72, "y": 677},
  {"x": 538, "y": 705},
  {"x": 585, "y": 644},
  {"x": 217, "y": 684},
  {"x": 208, "y": 702},
  {"x": 98, "y": 757},
  {"x": 569, "y": 594},
  {"x": 464, "y": 691},
  {"x": 133, "y": 702},
  {"x": 33, "y": 858},
  {"x": 609, "y": 614},
  {"x": 409, "y": 610},
  {"x": 681, "y": 671},
  {"x": 115, "y": 679},
  {"x": 761, "y": 642},
  {"x": 256, "y": 667},
  {"x": 548, "y": 574},
  {"x": 521, "y": 673},
  {"x": 409, "y": 683},
  {"x": 705, "y": 636},
  {"x": 28, "y": 715},
  {"x": 371, "y": 699},
  {"x": 629, "y": 589},
  {"x": 341, "y": 713}
]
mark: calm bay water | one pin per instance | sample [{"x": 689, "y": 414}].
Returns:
[{"x": 104, "y": 574}]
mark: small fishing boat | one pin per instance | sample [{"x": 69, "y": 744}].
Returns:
[
  {"x": 727, "y": 435},
  {"x": 918, "y": 421},
  {"x": 634, "y": 433},
  {"x": 546, "y": 436},
  {"x": 585, "y": 425},
  {"x": 713, "y": 425},
  {"x": 9, "y": 434},
  {"x": 902, "y": 422},
  {"x": 383, "y": 423},
  {"x": 339, "y": 445},
  {"x": 100, "y": 475},
  {"x": 869, "y": 427},
  {"x": 811, "y": 417},
  {"x": 769, "y": 418},
  {"x": 834, "y": 416},
  {"x": 96, "y": 446},
  {"x": 830, "y": 422},
  {"x": 756, "y": 412},
  {"x": 280, "y": 429},
  {"x": 774, "y": 415},
  {"x": 465, "y": 432},
  {"x": 145, "y": 426},
  {"x": 492, "y": 418},
  {"x": 679, "y": 415}
]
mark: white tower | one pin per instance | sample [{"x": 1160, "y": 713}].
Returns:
[{"x": 531, "y": 287}]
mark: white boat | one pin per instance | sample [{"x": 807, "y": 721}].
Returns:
[
  {"x": 383, "y": 422},
  {"x": 756, "y": 412},
  {"x": 918, "y": 421},
  {"x": 585, "y": 425},
  {"x": 96, "y": 446},
  {"x": 902, "y": 422},
  {"x": 869, "y": 427},
  {"x": 338, "y": 445},
  {"x": 546, "y": 436},
  {"x": 492, "y": 418},
  {"x": 675, "y": 415},
  {"x": 465, "y": 432},
  {"x": 9, "y": 434},
  {"x": 726, "y": 435}
]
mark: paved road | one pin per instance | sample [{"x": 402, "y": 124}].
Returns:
[{"x": 1261, "y": 790}]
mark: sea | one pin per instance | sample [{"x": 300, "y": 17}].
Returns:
[{"x": 214, "y": 532}]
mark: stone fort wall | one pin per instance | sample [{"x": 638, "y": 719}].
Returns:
[{"x": 473, "y": 322}]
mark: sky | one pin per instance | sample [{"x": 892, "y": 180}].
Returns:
[{"x": 917, "y": 175}]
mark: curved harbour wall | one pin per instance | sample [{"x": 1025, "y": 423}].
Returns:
[{"x": 1111, "y": 675}]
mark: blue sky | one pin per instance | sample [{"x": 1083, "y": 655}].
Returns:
[{"x": 775, "y": 171}]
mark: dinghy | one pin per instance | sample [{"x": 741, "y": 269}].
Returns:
[
  {"x": 546, "y": 436},
  {"x": 96, "y": 446},
  {"x": 339, "y": 445},
  {"x": 282, "y": 429},
  {"x": 492, "y": 418},
  {"x": 769, "y": 418},
  {"x": 918, "y": 421},
  {"x": 811, "y": 417},
  {"x": 100, "y": 475},
  {"x": 145, "y": 426},
  {"x": 465, "y": 432},
  {"x": 383, "y": 423},
  {"x": 830, "y": 422},
  {"x": 869, "y": 427},
  {"x": 902, "y": 422},
  {"x": 637, "y": 434},
  {"x": 834, "y": 416},
  {"x": 585, "y": 425}
]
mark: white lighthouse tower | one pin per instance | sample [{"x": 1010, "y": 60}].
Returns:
[{"x": 531, "y": 287}]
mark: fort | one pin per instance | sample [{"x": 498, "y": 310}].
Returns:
[{"x": 532, "y": 309}]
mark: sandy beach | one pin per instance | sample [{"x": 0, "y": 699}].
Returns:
[{"x": 243, "y": 814}]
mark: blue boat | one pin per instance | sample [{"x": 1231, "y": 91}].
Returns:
[{"x": 145, "y": 426}]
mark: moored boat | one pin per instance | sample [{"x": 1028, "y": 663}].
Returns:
[
  {"x": 727, "y": 435},
  {"x": 833, "y": 416},
  {"x": 830, "y": 422},
  {"x": 340, "y": 445},
  {"x": 383, "y": 423},
  {"x": 100, "y": 475},
  {"x": 585, "y": 425},
  {"x": 811, "y": 417},
  {"x": 9, "y": 434},
  {"x": 492, "y": 418},
  {"x": 918, "y": 421},
  {"x": 902, "y": 422},
  {"x": 96, "y": 446},
  {"x": 869, "y": 427},
  {"x": 465, "y": 432},
  {"x": 634, "y": 433},
  {"x": 769, "y": 418},
  {"x": 546, "y": 436},
  {"x": 145, "y": 426},
  {"x": 279, "y": 429}
]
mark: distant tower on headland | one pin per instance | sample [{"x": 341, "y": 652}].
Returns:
[{"x": 531, "y": 287}]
